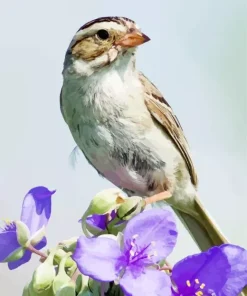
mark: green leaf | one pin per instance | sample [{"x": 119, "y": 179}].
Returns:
[
  {"x": 22, "y": 232},
  {"x": 85, "y": 293},
  {"x": 95, "y": 286},
  {"x": 78, "y": 283},
  {"x": 115, "y": 290},
  {"x": 66, "y": 291},
  {"x": 82, "y": 284}
]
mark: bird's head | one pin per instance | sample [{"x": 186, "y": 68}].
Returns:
[{"x": 101, "y": 42}]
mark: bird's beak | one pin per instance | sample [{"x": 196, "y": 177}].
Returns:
[{"x": 132, "y": 39}]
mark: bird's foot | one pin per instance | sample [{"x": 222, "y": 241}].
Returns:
[{"x": 158, "y": 197}]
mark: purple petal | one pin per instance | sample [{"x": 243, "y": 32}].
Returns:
[
  {"x": 36, "y": 208},
  {"x": 208, "y": 270},
  {"x": 148, "y": 282},
  {"x": 100, "y": 258},
  {"x": 26, "y": 257},
  {"x": 8, "y": 241},
  {"x": 97, "y": 221},
  {"x": 155, "y": 228},
  {"x": 237, "y": 278},
  {"x": 41, "y": 244}
]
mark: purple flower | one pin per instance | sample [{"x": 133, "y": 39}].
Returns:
[
  {"x": 220, "y": 271},
  {"x": 36, "y": 212},
  {"x": 99, "y": 222},
  {"x": 148, "y": 238}
]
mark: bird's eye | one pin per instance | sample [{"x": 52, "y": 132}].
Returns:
[{"x": 103, "y": 34}]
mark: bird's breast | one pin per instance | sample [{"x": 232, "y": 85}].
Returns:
[{"x": 112, "y": 126}]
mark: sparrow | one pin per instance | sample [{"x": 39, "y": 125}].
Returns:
[{"x": 125, "y": 128}]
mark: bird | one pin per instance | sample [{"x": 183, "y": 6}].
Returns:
[{"x": 125, "y": 127}]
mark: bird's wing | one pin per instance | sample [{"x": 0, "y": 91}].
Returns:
[{"x": 163, "y": 113}]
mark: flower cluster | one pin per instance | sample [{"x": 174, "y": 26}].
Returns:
[
  {"x": 123, "y": 251},
  {"x": 147, "y": 240},
  {"x": 18, "y": 238}
]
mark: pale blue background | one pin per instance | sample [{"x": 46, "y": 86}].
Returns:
[{"x": 197, "y": 57}]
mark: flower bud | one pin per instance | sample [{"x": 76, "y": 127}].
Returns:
[
  {"x": 86, "y": 292},
  {"x": 44, "y": 275},
  {"x": 69, "y": 244},
  {"x": 130, "y": 208},
  {"x": 67, "y": 290},
  {"x": 22, "y": 233},
  {"x": 37, "y": 237},
  {"x": 103, "y": 203},
  {"x": 32, "y": 292},
  {"x": 106, "y": 201},
  {"x": 61, "y": 279},
  {"x": 60, "y": 254},
  {"x": 25, "y": 291}
]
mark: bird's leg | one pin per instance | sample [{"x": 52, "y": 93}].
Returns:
[
  {"x": 164, "y": 190},
  {"x": 158, "y": 197}
]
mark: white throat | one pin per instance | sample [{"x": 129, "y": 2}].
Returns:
[
  {"x": 104, "y": 63},
  {"x": 105, "y": 92}
]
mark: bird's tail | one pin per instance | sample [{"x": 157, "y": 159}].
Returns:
[{"x": 201, "y": 227}]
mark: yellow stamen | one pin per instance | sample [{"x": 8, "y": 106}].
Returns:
[
  {"x": 199, "y": 293},
  {"x": 188, "y": 283},
  {"x": 202, "y": 286},
  {"x": 197, "y": 281},
  {"x": 7, "y": 221}
]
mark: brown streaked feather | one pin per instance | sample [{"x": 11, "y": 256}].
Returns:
[
  {"x": 91, "y": 47},
  {"x": 116, "y": 19},
  {"x": 88, "y": 49},
  {"x": 163, "y": 113}
]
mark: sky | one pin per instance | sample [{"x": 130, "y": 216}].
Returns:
[{"x": 196, "y": 57}]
